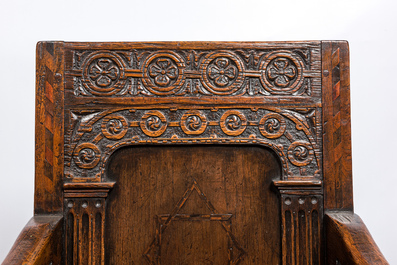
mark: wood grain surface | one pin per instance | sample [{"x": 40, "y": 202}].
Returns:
[
  {"x": 39, "y": 242},
  {"x": 49, "y": 141},
  {"x": 349, "y": 241},
  {"x": 231, "y": 212},
  {"x": 338, "y": 184}
]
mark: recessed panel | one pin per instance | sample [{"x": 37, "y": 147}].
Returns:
[{"x": 193, "y": 205}]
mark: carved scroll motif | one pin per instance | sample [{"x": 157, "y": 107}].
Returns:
[
  {"x": 98, "y": 135},
  {"x": 193, "y": 73}
]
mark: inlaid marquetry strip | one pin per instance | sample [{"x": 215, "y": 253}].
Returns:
[
  {"x": 49, "y": 127},
  {"x": 336, "y": 129}
]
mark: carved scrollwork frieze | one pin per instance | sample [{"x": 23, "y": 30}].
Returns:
[
  {"x": 131, "y": 73},
  {"x": 97, "y": 135}
]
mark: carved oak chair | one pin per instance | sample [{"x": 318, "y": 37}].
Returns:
[{"x": 193, "y": 153}]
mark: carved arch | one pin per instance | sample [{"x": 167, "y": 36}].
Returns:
[
  {"x": 279, "y": 154},
  {"x": 97, "y": 135}
]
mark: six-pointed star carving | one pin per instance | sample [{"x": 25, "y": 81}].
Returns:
[{"x": 166, "y": 219}]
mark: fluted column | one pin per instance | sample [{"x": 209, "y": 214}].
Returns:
[
  {"x": 85, "y": 222},
  {"x": 301, "y": 215}
]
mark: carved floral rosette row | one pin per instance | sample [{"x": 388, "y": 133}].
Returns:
[
  {"x": 98, "y": 135},
  {"x": 166, "y": 72}
]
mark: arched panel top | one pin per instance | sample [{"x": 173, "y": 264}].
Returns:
[
  {"x": 174, "y": 192},
  {"x": 290, "y": 134}
]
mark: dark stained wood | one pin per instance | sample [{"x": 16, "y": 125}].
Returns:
[
  {"x": 193, "y": 153},
  {"x": 39, "y": 242},
  {"x": 349, "y": 241},
  {"x": 232, "y": 189},
  {"x": 338, "y": 185}
]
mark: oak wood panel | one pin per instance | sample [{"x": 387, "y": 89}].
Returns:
[
  {"x": 230, "y": 214},
  {"x": 38, "y": 243},
  {"x": 349, "y": 241}
]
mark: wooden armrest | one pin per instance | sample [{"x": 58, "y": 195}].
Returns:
[
  {"x": 349, "y": 241},
  {"x": 40, "y": 242}
]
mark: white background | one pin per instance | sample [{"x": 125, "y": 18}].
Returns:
[{"x": 369, "y": 26}]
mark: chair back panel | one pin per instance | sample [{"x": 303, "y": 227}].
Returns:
[
  {"x": 193, "y": 205},
  {"x": 171, "y": 151}
]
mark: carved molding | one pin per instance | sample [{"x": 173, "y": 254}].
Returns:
[
  {"x": 98, "y": 134},
  {"x": 148, "y": 73}
]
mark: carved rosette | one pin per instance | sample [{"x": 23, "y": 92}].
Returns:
[
  {"x": 103, "y": 73},
  {"x": 153, "y": 123},
  {"x": 86, "y": 155},
  {"x": 222, "y": 80},
  {"x": 282, "y": 72},
  {"x": 193, "y": 122},
  {"x": 114, "y": 127},
  {"x": 272, "y": 126},
  {"x": 163, "y": 73},
  {"x": 300, "y": 153},
  {"x": 233, "y": 122},
  {"x": 222, "y": 73}
]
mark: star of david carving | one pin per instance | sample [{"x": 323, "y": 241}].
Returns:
[{"x": 236, "y": 252}]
